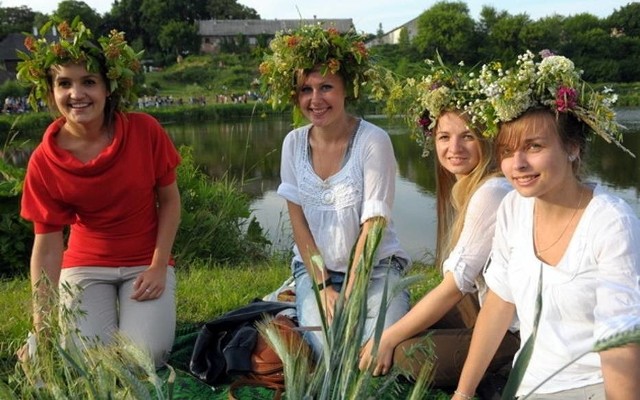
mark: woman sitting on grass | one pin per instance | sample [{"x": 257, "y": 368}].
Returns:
[
  {"x": 558, "y": 238},
  {"x": 109, "y": 176},
  {"x": 338, "y": 174},
  {"x": 468, "y": 192}
]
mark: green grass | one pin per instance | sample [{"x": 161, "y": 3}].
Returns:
[{"x": 203, "y": 293}]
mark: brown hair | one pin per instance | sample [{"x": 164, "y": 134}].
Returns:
[
  {"x": 572, "y": 132},
  {"x": 452, "y": 196},
  {"x": 302, "y": 74},
  {"x": 112, "y": 101}
]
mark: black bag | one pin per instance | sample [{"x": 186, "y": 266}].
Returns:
[{"x": 224, "y": 345}]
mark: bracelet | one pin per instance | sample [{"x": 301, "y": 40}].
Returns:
[
  {"x": 463, "y": 395},
  {"x": 323, "y": 285}
]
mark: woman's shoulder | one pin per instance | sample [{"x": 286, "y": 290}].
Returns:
[
  {"x": 135, "y": 117},
  {"x": 607, "y": 205},
  {"x": 496, "y": 183},
  {"x": 370, "y": 128},
  {"x": 494, "y": 188},
  {"x": 297, "y": 135}
]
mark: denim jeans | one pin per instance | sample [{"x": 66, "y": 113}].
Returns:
[{"x": 391, "y": 268}]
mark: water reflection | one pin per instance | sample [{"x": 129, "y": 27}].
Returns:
[{"x": 248, "y": 151}]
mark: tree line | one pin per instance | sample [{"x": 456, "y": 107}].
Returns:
[{"x": 608, "y": 49}]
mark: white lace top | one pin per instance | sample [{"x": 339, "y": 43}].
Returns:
[{"x": 336, "y": 207}]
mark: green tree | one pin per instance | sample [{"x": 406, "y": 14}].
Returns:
[
  {"x": 447, "y": 28},
  {"x": 403, "y": 40},
  {"x": 69, "y": 9},
  {"x": 16, "y": 19},
  {"x": 229, "y": 9},
  {"x": 627, "y": 19},
  {"x": 126, "y": 16},
  {"x": 179, "y": 38},
  {"x": 545, "y": 33},
  {"x": 506, "y": 37}
]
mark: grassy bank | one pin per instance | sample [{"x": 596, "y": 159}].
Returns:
[
  {"x": 203, "y": 293},
  {"x": 34, "y": 123}
]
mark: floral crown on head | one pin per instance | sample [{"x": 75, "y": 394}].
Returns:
[
  {"x": 442, "y": 89},
  {"x": 109, "y": 55},
  {"x": 554, "y": 83},
  {"x": 308, "y": 47}
]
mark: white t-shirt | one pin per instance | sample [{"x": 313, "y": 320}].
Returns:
[
  {"x": 591, "y": 294},
  {"x": 336, "y": 207},
  {"x": 472, "y": 249}
]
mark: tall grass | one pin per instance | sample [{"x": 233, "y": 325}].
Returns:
[
  {"x": 60, "y": 364},
  {"x": 336, "y": 375}
]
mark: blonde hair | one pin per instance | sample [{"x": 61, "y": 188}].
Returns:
[{"x": 452, "y": 196}]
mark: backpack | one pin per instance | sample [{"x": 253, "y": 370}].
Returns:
[
  {"x": 267, "y": 369},
  {"x": 224, "y": 345}
]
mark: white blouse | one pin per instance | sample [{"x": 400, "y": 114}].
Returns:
[
  {"x": 591, "y": 294},
  {"x": 336, "y": 207},
  {"x": 472, "y": 249}
]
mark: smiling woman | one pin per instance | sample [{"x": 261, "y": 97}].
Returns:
[{"x": 110, "y": 176}]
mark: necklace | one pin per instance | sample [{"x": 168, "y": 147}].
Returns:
[{"x": 575, "y": 211}]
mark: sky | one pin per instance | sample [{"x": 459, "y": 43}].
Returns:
[{"x": 367, "y": 15}]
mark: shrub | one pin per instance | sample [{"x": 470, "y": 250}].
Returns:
[
  {"x": 16, "y": 235},
  {"x": 216, "y": 220}
]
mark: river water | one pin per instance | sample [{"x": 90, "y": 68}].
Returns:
[{"x": 248, "y": 151}]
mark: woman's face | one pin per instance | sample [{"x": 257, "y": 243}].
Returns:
[
  {"x": 538, "y": 164},
  {"x": 457, "y": 147},
  {"x": 79, "y": 95},
  {"x": 321, "y": 98}
]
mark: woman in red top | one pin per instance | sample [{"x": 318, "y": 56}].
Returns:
[{"x": 109, "y": 176}]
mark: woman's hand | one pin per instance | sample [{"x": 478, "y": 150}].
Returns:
[
  {"x": 150, "y": 284},
  {"x": 383, "y": 360},
  {"x": 328, "y": 298}
]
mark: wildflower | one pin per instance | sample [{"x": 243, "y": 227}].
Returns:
[
  {"x": 566, "y": 99},
  {"x": 30, "y": 43},
  {"x": 65, "y": 30}
]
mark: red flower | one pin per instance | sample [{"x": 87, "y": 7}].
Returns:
[
  {"x": 65, "y": 30},
  {"x": 333, "y": 32},
  {"x": 30, "y": 43},
  {"x": 292, "y": 41},
  {"x": 566, "y": 99}
]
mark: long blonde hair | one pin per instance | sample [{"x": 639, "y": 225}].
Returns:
[{"x": 452, "y": 196}]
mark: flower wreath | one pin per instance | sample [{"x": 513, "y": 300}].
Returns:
[
  {"x": 553, "y": 82},
  {"x": 76, "y": 45},
  {"x": 442, "y": 89},
  {"x": 306, "y": 48}
]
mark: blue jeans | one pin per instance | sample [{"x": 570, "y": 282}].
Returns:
[{"x": 391, "y": 268}]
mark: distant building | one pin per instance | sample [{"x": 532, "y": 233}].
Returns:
[
  {"x": 8, "y": 53},
  {"x": 214, "y": 33},
  {"x": 393, "y": 36}
]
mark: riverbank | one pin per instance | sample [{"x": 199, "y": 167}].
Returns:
[{"x": 38, "y": 121}]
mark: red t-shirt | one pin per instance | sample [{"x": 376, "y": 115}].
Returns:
[{"x": 109, "y": 202}]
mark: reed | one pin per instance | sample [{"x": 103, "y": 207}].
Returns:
[
  {"x": 63, "y": 365},
  {"x": 336, "y": 375}
]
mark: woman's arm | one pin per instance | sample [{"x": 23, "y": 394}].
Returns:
[
  {"x": 425, "y": 313},
  {"x": 307, "y": 247},
  {"x": 46, "y": 262},
  {"x": 621, "y": 371},
  {"x": 493, "y": 321},
  {"x": 151, "y": 283}
]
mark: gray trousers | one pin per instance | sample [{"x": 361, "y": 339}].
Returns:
[{"x": 99, "y": 302}]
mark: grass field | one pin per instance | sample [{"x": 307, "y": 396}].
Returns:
[{"x": 203, "y": 293}]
